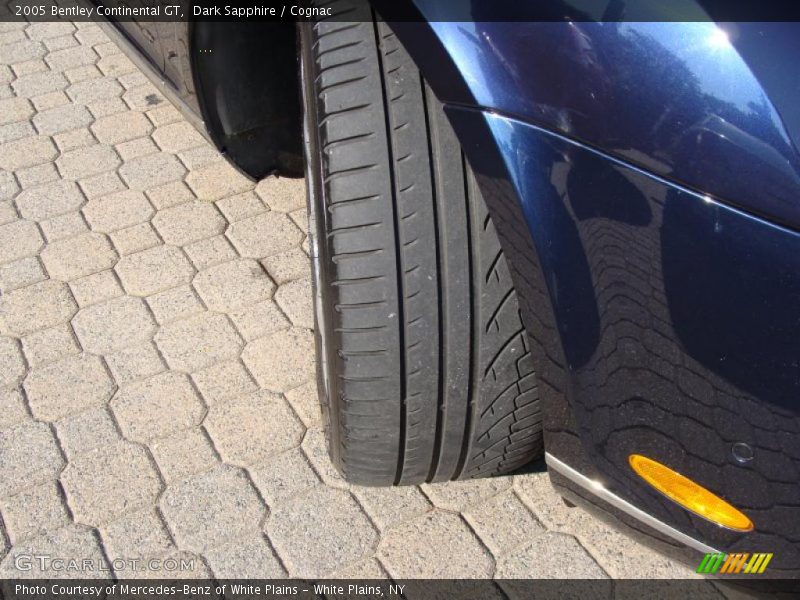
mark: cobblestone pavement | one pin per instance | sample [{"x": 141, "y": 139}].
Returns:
[{"x": 156, "y": 362}]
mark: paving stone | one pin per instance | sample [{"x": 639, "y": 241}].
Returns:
[
  {"x": 7, "y": 213},
  {"x": 49, "y": 29},
  {"x": 82, "y": 73},
  {"x": 12, "y": 365},
  {"x": 38, "y": 175},
  {"x": 210, "y": 251},
  {"x": 8, "y": 185},
  {"x": 50, "y": 200},
  {"x": 366, "y": 569},
  {"x": 188, "y": 222},
  {"x": 287, "y": 266},
  {"x": 305, "y": 402},
  {"x": 296, "y": 301},
  {"x": 233, "y": 285},
  {"x": 33, "y": 512},
  {"x": 48, "y": 345},
  {"x": 281, "y": 361},
  {"x": 64, "y": 226},
  {"x": 223, "y": 380},
  {"x": 202, "y": 156},
  {"x": 95, "y": 288},
  {"x": 103, "y": 107},
  {"x": 117, "y": 211},
  {"x": 170, "y": 194},
  {"x": 93, "y": 90},
  {"x": 115, "y": 65},
  {"x": 59, "y": 43},
  {"x": 151, "y": 171},
  {"x": 406, "y": 550},
  {"x": 62, "y": 118},
  {"x": 134, "y": 363},
  {"x": 284, "y": 476},
  {"x": 67, "y": 386},
  {"x": 69, "y": 58},
  {"x": 15, "y": 109},
  {"x": 321, "y": 532},
  {"x": 142, "y": 97},
  {"x": 21, "y": 51},
  {"x": 79, "y": 256},
  {"x": 249, "y": 429},
  {"x": 27, "y": 152},
  {"x": 12, "y": 408},
  {"x": 258, "y": 320},
  {"x": 50, "y": 100},
  {"x": 157, "y": 407},
  {"x": 241, "y": 206},
  {"x": 177, "y": 136},
  {"x": 37, "y": 306},
  {"x": 184, "y": 454},
  {"x": 550, "y": 556},
  {"x": 282, "y": 193},
  {"x": 251, "y": 557},
  {"x": 457, "y": 496},
  {"x": 102, "y": 184},
  {"x": 109, "y": 481},
  {"x": 315, "y": 447},
  {"x": 153, "y": 270},
  {"x": 135, "y": 239},
  {"x": 29, "y": 455},
  {"x": 70, "y": 541},
  {"x": 85, "y": 162},
  {"x": 173, "y": 304},
  {"x": 163, "y": 115},
  {"x": 86, "y": 431},
  {"x": 113, "y": 325},
  {"x": 9, "y": 37},
  {"x": 139, "y": 534},
  {"x": 264, "y": 235},
  {"x": 389, "y": 506},
  {"x": 15, "y": 131},
  {"x": 115, "y": 129},
  {"x": 136, "y": 148},
  {"x": 35, "y": 65},
  {"x": 37, "y": 84},
  {"x": 503, "y": 523},
  {"x": 91, "y": 35},
  {"x": 197, "y": 342},
  {"x": 211, "y": 508},
  {"x": 216, "y": 181}
]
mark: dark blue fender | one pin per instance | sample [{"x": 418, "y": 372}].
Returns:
[{"x": 645, "y": 180}]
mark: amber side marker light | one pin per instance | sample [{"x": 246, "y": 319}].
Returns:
[{"x": 688, "y": 494}]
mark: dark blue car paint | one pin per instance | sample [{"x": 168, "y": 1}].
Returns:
[{"x": 660, "y": 270}]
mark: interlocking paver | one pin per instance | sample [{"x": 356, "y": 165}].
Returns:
[
  {"x": 73, "y": 540},
  {"x": 320, "y": 532},
  {"x": 67, "y": 386},
  {"x": 188, "y": 222},
  {"x": 248, "y": 236},
  {"x": 211, "y": 508},
  {"x": 250, "y": 429},
  {"x": 113, "y": 325},
  {"x": 117, "y": 211},
  {"x": 157, "y": 407},
  {"x": 29, "y": 454},
  {"x": 234, "y": 285},
  {"x": 37, "y": 306},
  {"x": 35, "y": 511},
  {"x": 49, "y": 200},
  {"x": 166, "y": 355},
  {"x": 198, "y": 342},
  {"x": 12, "y": 365},
  {"x": 72, "y": 258},
  {"x": 88, "y": 161},
  {"x": 283, "y": 360},
  {"x": 109, "y": 481},
  {"x": 154, "y": 270}
]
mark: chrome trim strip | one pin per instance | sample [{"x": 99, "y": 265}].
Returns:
[
  {"x": 597, "y": 489},
  {"x": 155, "y": 77}
]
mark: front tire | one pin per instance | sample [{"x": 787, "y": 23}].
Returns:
[{"x": 424, "y": 365}]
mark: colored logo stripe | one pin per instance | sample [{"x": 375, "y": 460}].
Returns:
[{"x": 741, "y": 562}]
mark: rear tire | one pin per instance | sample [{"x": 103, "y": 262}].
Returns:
[{"x": 424, "y": 366}]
